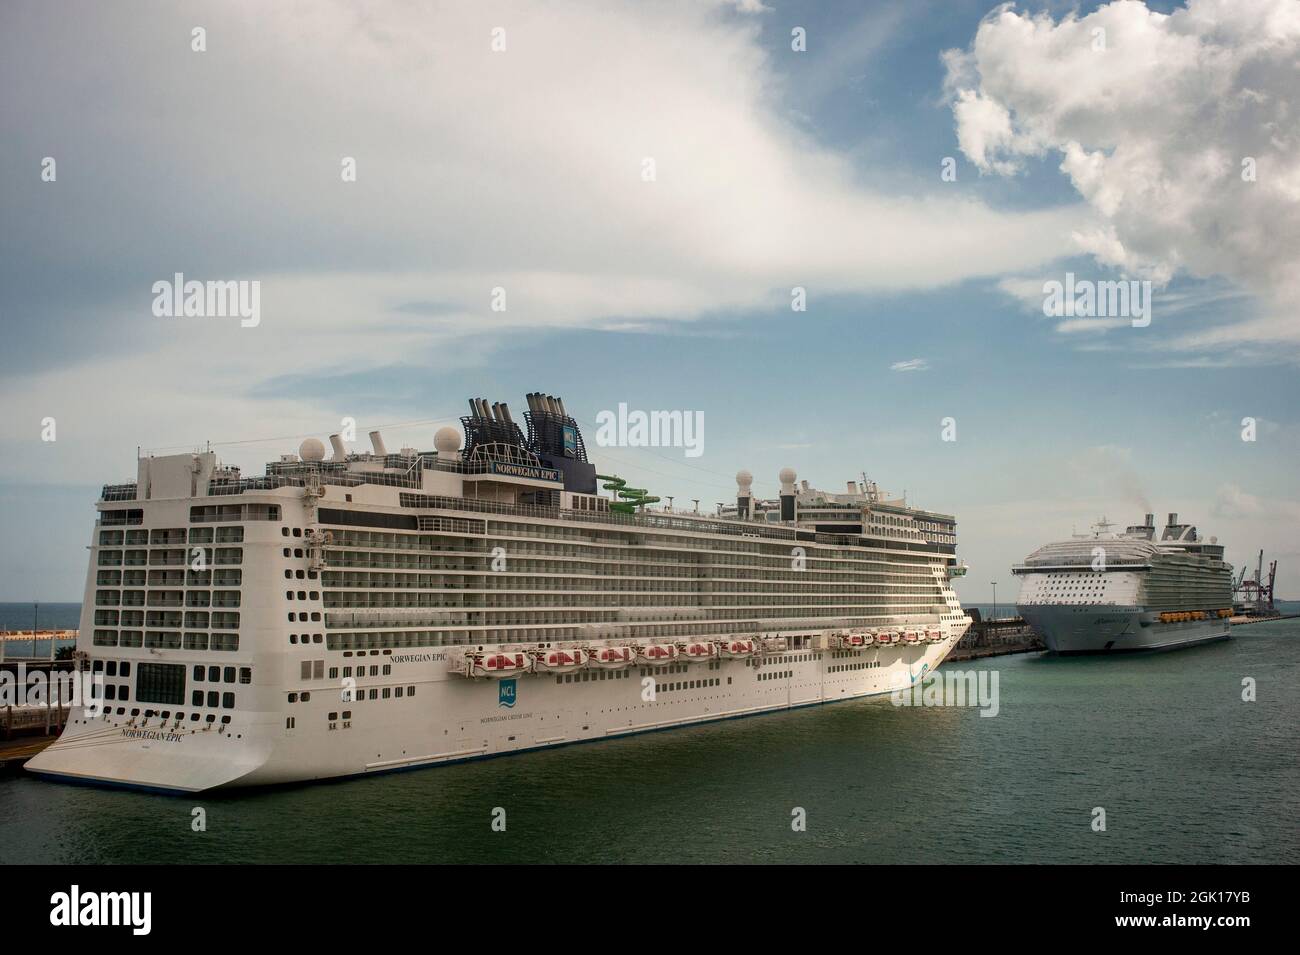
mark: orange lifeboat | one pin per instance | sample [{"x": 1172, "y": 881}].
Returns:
[
  {"x": 498, "y": 665},
  {"x": 611, "y": 658},
  {"x": 657, "y": 654},
  {"x": 559, "y": 660},
  {"x": 738, "y": 648},
  {"x": 698, "y": 651}
]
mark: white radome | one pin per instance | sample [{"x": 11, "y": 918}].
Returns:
[
  {"x": 312, "y": 449},
  {"x": 447, "y": 439},
  {"x": 744, "y": 479}
]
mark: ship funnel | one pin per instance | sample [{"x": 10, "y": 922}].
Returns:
[
  {"x": 340, "y": 452},
  {"x": 787, "y": 478},
  {"x": 744, "y": 494},
  {"x": 377, "y": 442},
  {"x": 559, "y": 403},
  {"x": 853, "y": 487},
  {"x": 1173, "y": 519},
  {"x": 504, "y": 412},
  {"x": 1151, "y": 520}
]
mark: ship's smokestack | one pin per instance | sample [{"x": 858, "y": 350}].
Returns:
[
  {"x": 1173, "y": 519},
  {"x": 787, "y": 479},
  {"x": 853, "y": 487},
  {"x": 340, "y": 452},
  {"x": 377, "y": 442},
  {"x": 559, "y": 403},
  {"x": 505, "y": 413},
  {"x": 744, "y": 494},
  {"x": 1151, "y": 520}
]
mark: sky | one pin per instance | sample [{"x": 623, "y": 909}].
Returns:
[{"x": 647, "y": 184}]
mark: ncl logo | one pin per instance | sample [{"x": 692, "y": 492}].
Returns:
[{"x": 506, "y": 692}]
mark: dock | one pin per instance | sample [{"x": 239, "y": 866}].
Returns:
[
  {"x": 27, "y": 728},
  {"x": 51, "y": 639},
  {"x": 14, "y": 753},
  {"x": 994, "y": 638},
  {"x": 1243, "y": 621}
]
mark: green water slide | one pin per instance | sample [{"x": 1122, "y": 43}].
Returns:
[{"x": 630, "y": 497}]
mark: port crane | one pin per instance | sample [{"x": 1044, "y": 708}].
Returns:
[{"x": 1254, "y": 597}]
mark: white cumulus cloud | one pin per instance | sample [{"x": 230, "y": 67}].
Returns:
[{"x": 1159, "y": 121}]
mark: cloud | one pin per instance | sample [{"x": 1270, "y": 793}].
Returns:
[
  {"x": 1108, "y": 470},
  {"x": 912, "y": 364},
  {"x": 1231, "y": 501},
  {"x": 476, "y": 170},
  {"x": 1155, "y": 132}
]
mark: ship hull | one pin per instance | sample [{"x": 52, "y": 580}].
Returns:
[
  {"x": 1100, "y": 629},
  {"x": 539, "y": 712}
]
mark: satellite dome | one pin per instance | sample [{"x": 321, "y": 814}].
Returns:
[
  {"x": 786, "y": 476},
  {"x": 312, "y": 450},
  {"x": 447, "y": 439},
  {"x": 744, "y": 479}
]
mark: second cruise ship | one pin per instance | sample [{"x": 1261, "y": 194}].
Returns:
[
  {"x": 376, "y": 611},
  {"x": 1107, "y": 593}
]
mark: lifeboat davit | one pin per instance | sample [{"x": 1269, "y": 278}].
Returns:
[
  {"x": 853, "y": 640},
  {"x": 657, "y": 654},
  {"x": 698, "y": 651},
  {"x": 611, "y": 658},
  {"x": 886, "y": 637},
  {"x": 911, "y": 636},
  {"x": 498, "y": 665},
  {"x": 738, "y": 648},
  {"x": 934, "y": 636},
  {"x": 560, "y": 660}
]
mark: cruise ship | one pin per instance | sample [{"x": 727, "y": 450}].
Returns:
[
  {"x": 1106, "y": 593},
  {"x": 371, "y": 612}
]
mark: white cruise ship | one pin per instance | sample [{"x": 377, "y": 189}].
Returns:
[
  {"x": 1106, "y": 593},
  {"x": 373, "y": 612}
]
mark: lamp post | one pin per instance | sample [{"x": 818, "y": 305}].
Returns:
[{"x": 995, "y": 598}]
